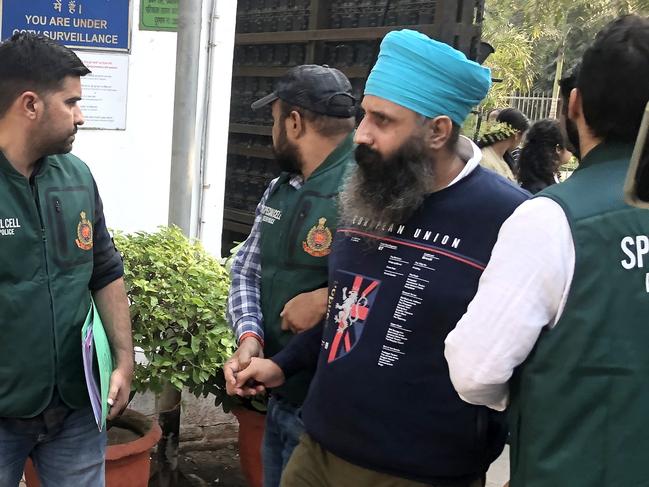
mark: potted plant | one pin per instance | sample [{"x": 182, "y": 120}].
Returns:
[{"x": 178, "y": 295}]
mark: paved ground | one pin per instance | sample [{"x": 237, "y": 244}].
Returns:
[
  {"x": 221, "y": 467},
  {"x": 211, "y": 468}
]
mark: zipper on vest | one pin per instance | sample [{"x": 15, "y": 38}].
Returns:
[
  {"x": 59, "y": 223},
  {"x": 37, "y": 202},
  {"x": 296, "y": 227}
]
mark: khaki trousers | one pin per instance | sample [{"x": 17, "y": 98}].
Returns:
[{"x": 313, "y": 466}]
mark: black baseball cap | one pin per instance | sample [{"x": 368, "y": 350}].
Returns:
[{"x": 320, "y": 89}]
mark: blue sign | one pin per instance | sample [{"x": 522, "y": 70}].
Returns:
[{"x": 98, "y": 24}]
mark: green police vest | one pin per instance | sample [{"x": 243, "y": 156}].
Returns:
[
  {"x": 297, "y": 230},
  {"x": 46, "y": 261},
  {"x": 580, "y": 402}
]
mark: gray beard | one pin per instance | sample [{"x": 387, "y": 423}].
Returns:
[{"x": 387, "y": 190}]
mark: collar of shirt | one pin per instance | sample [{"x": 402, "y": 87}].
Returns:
[
  {"x": 297, "y": 181},
  {"x": 470, "y": 153},
  {"x": 604, "y": 152}
]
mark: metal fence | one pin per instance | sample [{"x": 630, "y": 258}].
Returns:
[{"x": 536, "y": 105}]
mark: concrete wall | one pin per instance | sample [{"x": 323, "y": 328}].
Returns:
[
  {"x": 202, "y": 425},
  {"x": 132, "y": 167}
]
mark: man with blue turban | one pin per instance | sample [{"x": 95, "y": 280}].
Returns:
[{"x": 419, "y": 220}]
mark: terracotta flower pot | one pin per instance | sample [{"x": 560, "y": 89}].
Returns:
[
  {"x": 128, "y": 463},
  {"x": 251, "y": 433}
]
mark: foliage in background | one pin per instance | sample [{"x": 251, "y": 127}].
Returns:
[
  {"x": 511, "y": 62},
  {"x": 228, "y": 261},
  {"x": 570, "y": 166},
  {"x": 178, "y": 295},
  {"x": 563, "y": 29},
  {"x": 470, "y": 125},
  {"x": 552, "y": 30}
]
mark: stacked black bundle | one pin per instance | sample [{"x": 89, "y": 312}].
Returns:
[{"x": 274, "y": 35}]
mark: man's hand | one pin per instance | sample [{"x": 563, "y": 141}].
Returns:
[
  {"x": 304, "y": 311},
  {"x": 248, "y": 348},
  {"x": 260, "y": 374},
  {"x": 120, "y": 389}
]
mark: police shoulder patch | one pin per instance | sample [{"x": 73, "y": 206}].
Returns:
[
  {"x": 318, "y": 240},
  {"x": 84, "y": 233}
]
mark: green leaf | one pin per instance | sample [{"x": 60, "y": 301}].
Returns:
[
  {"x": 178, "y": 294},
  {"x": 196, "y": 345}
]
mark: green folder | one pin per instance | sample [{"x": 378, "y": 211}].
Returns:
[{"x": 97, "y": 364}]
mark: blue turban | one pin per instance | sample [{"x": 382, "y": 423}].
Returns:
[{"x": 427, "y": 76}]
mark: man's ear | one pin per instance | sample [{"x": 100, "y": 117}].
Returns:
[
  {"x": 575, "y": 108},
  {"x": 438, "y": 132},
  {"x": 30, "y": 105},
  {"x": 295, "y": 125}
]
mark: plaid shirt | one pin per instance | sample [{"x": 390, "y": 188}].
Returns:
[{"x": 244, "y": 301}]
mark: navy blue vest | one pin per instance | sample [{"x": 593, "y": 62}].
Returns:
[{"x": 381, "y": 397}]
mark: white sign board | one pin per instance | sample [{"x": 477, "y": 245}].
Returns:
[{"x": 104, "y": 91}]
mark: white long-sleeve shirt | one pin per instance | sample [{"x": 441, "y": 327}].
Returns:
[{"x": 523, "y": 289}]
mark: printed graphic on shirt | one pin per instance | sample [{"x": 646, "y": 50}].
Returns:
[
  {"x": 318, "y": 240},
  {"x": 418, "y": 240},
  {"x": 351, "y": 300},
  {"x": 636, "y": 250},
  {"x": 9, "y": 227},
  {"x": 411, "y": 270},
  {"x": 270, "y": 215},
  {"x": 426, "y": 235},
  {"x": 84, "y": 233}
]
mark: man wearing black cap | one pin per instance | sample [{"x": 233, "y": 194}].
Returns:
[{"x": 279, "y": 277}]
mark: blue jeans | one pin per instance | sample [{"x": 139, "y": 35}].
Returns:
[
  {"x": 281, "y": 435},
  {"x": 65, "y": 445}
]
